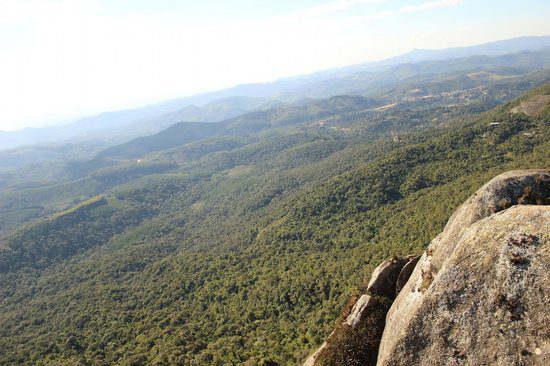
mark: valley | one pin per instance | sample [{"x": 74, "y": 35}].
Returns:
[{"x": 239, "y": 240}]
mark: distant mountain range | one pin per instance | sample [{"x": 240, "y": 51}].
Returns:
[
  {"x": 497, "y": 48},
  {"x": 239, "y": 242},
  {"x": 115, "y": 127}
]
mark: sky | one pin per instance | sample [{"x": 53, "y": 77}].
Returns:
[{"x": 63, "y": 59}]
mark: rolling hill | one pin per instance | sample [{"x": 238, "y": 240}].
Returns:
[
  {"x": 239, "y": 243},
  {"x": 120, "y": 126}
]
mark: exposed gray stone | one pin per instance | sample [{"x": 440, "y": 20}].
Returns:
[
  {"x": 384, "y": 277},
  {"x": 488, "y": 305},
  {"x": 447, "y": 292},
  {"x": 405, "y": 274},
  {"x": 477, "y": 296},
  {"x": 358, "y": 311},
  {"x": 311, "y": 359}
]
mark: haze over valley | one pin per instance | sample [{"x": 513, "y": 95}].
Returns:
[{"x": 339, "y": 217}]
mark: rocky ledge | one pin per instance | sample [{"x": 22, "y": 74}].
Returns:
[{"x": 478, "y": 295}]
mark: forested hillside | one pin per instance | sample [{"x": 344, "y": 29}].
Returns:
[{"x": 242, "y": 246}]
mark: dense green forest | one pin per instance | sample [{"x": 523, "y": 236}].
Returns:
[{"x": 241, "y": 244}]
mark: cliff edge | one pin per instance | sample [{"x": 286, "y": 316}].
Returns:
[{"x": 478, "y": 295}]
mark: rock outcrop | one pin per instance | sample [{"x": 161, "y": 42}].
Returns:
[
  {"x": 405, "y": 274},
  {"x": 356, "y": 338},
  {"x": 487, "y": 305},
  {"x": 478, "y": 295},
  {"x": 455, "y": 281},
  {"x": 384, "y": 278},
  {"x": 360, "y": 308}
]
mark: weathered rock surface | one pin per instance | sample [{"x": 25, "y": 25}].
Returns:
[
  {"x": 311, "y": 360},
  {"x": 384, "y": 277},
  {"x": 405, "y": 273},
  {"x": 488, "y": 305},
  {"x": 479, "y": 294},
  {"x": 525, "y": 187},
  {"x": 359, "y": 310},
  {"x": 355, "y": 341}
]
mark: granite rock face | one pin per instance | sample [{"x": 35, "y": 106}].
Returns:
[
  {"x": 405, "y": 274},
  {"x": 360, "y": 308},
  {"x": 356, "y": 339},
  {"x": 487, "y": 305},
  {"x": 479, "y": 294},
  {"x": 384, "y": 277}
]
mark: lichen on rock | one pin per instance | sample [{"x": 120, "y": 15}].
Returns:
[{"x": 479, "y": 294}]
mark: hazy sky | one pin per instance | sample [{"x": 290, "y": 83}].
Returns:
[{"x": 61, "y": 59}]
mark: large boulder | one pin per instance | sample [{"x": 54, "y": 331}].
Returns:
[
  {"x": 359, "y": 310},
  {"x": 488, "y": 305},
  {"x": 405, "y": 273},
  {"x": 479, "y": 294},
  {"x": 384, "y": 277},
  {"x": 357, "y": 335},
  {"x": 517, "y": 187}
]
